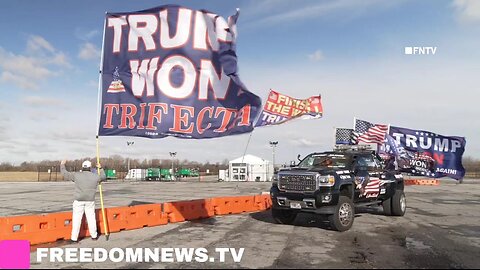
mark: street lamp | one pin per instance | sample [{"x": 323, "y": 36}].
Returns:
[
  {"x": 273, "y": 144},
  {"x": 128, "y": 157},
  {"x": 173, "y": 154}
]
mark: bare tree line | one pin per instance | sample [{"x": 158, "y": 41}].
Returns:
[
  {"x": 116, "y": 162},
  {"x": 472, "y": 165}
]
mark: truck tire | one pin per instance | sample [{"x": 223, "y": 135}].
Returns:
[
  {"x": 342, "y": 219},
  {"x": 387, "y": 207},
  {"x": 284, "y": 216},
  {"x": 399, "y": 203}
]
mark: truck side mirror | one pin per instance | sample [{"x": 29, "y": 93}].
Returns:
[
  {"x": 292, "y": 163},
  {"x": 298, "y": 157}
]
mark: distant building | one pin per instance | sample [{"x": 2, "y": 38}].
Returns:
[{"x": 249, "y": 168}]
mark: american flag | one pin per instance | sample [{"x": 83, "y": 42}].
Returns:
[
  {"x": 343, "y": 135},
  {"x": 369, "y": 133},
  {"x": 372, "y": 190}
]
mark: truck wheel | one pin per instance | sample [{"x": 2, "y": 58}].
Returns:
[
  {"x": 387, "y": 207},
  {"x": 284, "y": 216},
  {"x": 399, "y": 203},
  {"x": 344, "y": 215}
]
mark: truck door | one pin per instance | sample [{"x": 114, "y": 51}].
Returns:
[{"x": 367, "y": 177}]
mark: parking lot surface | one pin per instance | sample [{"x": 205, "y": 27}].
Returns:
[{"x": 440, "y": 230}]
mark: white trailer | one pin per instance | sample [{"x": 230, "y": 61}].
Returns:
[{"x": 136, "y": 174}]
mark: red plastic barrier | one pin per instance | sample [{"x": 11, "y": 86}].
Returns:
[{"x": 188, "y": 210}]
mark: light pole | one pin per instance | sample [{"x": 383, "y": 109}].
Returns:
[
  {"x": 128, "y": 157},
  {"x": 273, "y": 144},
  {"x": 173, "y": 154}
]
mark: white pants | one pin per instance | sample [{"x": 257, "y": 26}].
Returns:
[{"x": 78, "y": 209}]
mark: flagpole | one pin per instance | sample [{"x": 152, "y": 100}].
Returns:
[
  {"x": 105, "y": 227},
  {"x": 246, "y": 147},
  {"x": 334, "y": 137},
  {"x": 353, "y": 133}
]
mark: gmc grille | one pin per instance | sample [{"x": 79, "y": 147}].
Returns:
[{"x": 297, "y": 183}]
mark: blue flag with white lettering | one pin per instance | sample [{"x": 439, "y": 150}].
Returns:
[
  {"x": 426, "y": 153},
  {"x": 172, "y": 71}
]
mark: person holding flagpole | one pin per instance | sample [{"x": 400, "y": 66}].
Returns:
[{"x": 86, "y": 183}]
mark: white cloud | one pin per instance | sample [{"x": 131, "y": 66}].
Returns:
[
  {"x": 85, "y": 35},
  {"x": 25, "y": 66},
  {"x": 38, "y": 43},
  {"x": 20, "y": 81},
  {"x": 37, "y": 116},
  {"x": 88, "y": 51},
  {"x": 468, "y": 10},
  {"x": 316, "y": 56},
  {"x": 92, "y": 84},
  {"x": 303, "y": 142},
  {"x": 40, "y": 62},
  {"x": 3, "y": 133},
  {"x": 60, "y": 59},
  {"x": 42, "y": 101}
]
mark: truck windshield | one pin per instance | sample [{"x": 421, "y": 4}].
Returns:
[{"x": 324, "y": 161}]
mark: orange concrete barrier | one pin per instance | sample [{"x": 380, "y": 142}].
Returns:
[
  {"x": 422, "y": 182},
  {"x": 188, "y": 210},
  {"x": 49, "y": 228}
]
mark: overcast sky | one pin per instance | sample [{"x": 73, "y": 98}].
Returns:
[{"x": 351, "y": 52}]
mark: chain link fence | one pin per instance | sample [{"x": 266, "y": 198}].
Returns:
[
  {"x": 49, "y": 174},
  {"x": 472, "y": 174}
]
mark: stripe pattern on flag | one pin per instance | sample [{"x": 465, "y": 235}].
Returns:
[
  {"x": 372, "y": 189},
  {"x": 367, "y": 132}
]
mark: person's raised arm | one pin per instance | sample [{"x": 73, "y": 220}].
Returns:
[{"x": 66, "y": 174}]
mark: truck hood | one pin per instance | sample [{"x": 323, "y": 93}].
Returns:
[{"x": 294, "y": 170}]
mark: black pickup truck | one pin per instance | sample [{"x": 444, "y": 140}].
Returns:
[{"x": 334, "y": 183}]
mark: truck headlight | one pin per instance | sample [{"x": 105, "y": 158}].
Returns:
[
  {"x": 326, "y": 180},
  {"x": 275, "y": 179}
]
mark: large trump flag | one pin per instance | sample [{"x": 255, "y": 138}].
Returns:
[
  {"x": 172, "y": 71},
  {"x": 425, "y": 153}
]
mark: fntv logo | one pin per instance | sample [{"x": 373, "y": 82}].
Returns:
[
  {"x": 420, "y": 50},
  {"x": 14, "y": 254}
]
